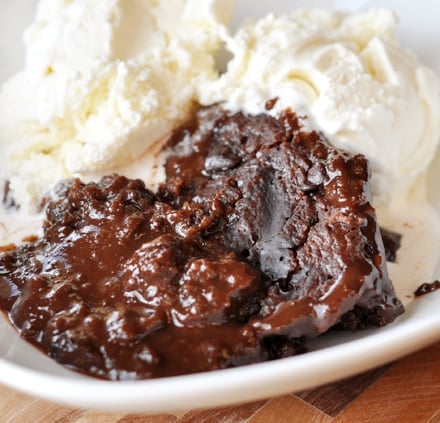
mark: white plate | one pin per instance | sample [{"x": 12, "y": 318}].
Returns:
[{"x": 336, "y": 356}]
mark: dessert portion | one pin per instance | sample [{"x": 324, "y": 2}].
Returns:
[
  {"x": 351, "y": 77},
  {"x": 262, "y": 235},
  {"x": 103, "y": 82}
]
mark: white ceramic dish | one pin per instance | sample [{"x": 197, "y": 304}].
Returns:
[{"x": 333, "y": 357}]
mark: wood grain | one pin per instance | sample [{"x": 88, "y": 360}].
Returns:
[
  {"x": 407, "y": 391},
  {"x": 333, "y": 398},
  {"x": 289, "y": 408}
]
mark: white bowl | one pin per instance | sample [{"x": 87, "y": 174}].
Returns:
[{"x": 334, "y": 356}]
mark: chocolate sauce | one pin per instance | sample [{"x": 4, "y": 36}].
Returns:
[
  {"x": 261, "y": 236},
  {"x": 391, "y": 243},
  {"x": 426, "y": 288}
]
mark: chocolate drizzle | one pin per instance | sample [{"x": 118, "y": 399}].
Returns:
[{"x": 426, "y": 288}]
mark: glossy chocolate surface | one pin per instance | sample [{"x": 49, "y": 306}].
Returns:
[
  {"x": 426, "y": 288},
  {"x": 261, "y": 236}
]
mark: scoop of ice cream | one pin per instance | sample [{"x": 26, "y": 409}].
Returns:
[
  {"x": 351, "y": 77},
  {"x": 102, "y": 82}
]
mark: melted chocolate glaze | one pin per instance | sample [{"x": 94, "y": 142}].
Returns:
[
  {"x": 262, "y": 235},
  {"x": 426, "y": 288}
]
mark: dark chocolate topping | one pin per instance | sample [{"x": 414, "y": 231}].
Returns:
[
  {"x": 296, "y": 208},
  {"x": 426, "y": 288},
  {"x": 263, "y": 234}
]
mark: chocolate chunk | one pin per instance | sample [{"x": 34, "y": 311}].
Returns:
[{"x": 297, "y": 209}]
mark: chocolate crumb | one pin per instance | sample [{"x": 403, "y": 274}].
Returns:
[
  {"x": 426, "y": 288},
  {"x": 30, "y": 238},
  {"x": 270, "y": 104},
  {"x": 391, "y": 242},
  {"x": 7, "y": 247},
  {"x": 8, "y": 199}
]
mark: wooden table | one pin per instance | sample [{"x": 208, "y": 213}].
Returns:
[{"x": 407, "y": 391}]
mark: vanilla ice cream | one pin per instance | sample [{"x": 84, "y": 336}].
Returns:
[
  {"x": 102, "y": 82},
  {"x": 349, "y": 75}
]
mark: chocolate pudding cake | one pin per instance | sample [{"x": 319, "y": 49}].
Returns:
[{"x": 261, "y": 236}]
